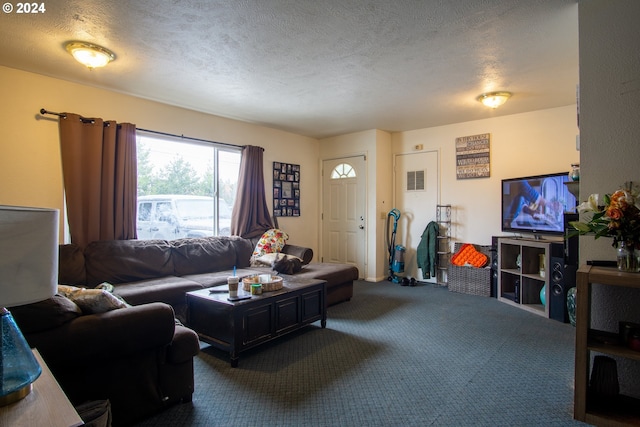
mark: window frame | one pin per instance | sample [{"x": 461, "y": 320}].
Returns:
[{"x": 147, "y": 138}]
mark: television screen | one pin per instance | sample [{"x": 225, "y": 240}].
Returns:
[{"x": 536, "y": 204}]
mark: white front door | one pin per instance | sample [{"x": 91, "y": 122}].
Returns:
[{"x": 343, "y": 211}]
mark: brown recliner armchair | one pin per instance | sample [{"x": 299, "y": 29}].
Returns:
[{"x": 137, "y": 357}]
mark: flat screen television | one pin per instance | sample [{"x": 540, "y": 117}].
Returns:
[{"x": 536, "y": 204}]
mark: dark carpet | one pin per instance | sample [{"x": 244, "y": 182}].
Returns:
[{"x": 394, "y": 356}]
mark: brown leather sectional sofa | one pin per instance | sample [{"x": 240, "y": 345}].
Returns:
[
  {"x": 139, "y": 357},
  {"x": 144, "y": 271}
]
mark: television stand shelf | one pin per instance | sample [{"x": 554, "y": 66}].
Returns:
[{"x": 522, "y": 274}]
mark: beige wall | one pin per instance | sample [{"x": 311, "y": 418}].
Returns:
[
  {"x": 609, "y": 103},
  {"x": 521, "y": 145},
  {"x": 610, "y": 143},
  {"x": 30, "y": 171}
]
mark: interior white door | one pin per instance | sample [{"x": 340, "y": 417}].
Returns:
[
  {"x": 343, "y": 211},
  {"x": 416, "y": 196}
]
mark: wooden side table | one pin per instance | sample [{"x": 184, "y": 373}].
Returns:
[
  {"x": 621, "y": 410},
  {"x": 46, "y": 405}
]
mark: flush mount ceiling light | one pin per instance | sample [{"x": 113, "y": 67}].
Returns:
[
  {"x": 494, "y": 99},
  {"x": 89, "y": 54}
]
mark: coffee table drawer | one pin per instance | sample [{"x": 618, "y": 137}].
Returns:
[
  {"x": 210, "y": 320},
  {"x": 287, "y": 314},
  {"x": 313, "y": 305},
  {"x": 258, "y": 325}
]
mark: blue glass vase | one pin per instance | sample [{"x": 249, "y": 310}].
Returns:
[{"x": 18, "y": 366}]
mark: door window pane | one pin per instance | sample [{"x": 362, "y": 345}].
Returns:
[{"x": 343, "y": 170}]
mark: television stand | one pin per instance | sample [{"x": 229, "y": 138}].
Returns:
[{"x": 522, "y": 273}]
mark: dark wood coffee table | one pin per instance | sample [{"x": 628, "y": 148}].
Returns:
[{"x": 241, "y": 325}]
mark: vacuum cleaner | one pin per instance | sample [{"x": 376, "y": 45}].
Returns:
[{"x": 396, "y": 252}]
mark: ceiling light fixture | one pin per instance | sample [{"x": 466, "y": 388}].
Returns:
[
  {"x": 494, "y": 99},
  {"x": 89, "y": 54}
]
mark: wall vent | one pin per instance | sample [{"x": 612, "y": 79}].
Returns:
[{"x": 415, "y": 180}]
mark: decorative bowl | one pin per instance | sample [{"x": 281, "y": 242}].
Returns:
[{"x": 273, "y": 283}]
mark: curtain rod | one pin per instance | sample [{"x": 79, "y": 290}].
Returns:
[
  {"x": 190, "y": 138},
  {"x": 64, "y": 116}
]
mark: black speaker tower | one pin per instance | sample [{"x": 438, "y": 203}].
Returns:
[
  {"x": 564, "y": 265},
  {"x": 494, "y": 266}
]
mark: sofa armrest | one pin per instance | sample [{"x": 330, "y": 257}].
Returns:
[
  {"x": 100, "y": 337},
  {"x": 184, "y": 347},
  {"x": 305, "y": 254}
]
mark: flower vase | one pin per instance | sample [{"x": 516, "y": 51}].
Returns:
[{"x": 628, "y": 259}]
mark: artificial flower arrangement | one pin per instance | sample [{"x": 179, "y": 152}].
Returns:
[{"x": 618, "y": 217}]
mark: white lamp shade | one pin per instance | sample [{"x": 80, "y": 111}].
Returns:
[{"x": 28, "y": 254}]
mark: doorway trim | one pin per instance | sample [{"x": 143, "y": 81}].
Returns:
[
  {"x": 438, "y": 175},
  {"x": 367, "y": 222}
]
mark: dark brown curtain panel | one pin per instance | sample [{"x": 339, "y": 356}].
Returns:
[
  {"x": 100, "y": 178},
  {"x": 250, "y": 210}
]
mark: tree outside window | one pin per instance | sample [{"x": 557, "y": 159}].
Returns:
[{"x": 185, "y": 189}]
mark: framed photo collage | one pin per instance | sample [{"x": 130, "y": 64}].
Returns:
[{"x": 286, "y": 189}]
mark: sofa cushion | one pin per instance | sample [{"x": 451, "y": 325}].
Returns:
[
  {"x": 333, "y": 273},
  {"x": 244, "y": 249},
  {"x": 71, "y": 265},
  {"x": 168, "y": 289},
  {"x": 122, "y": 261},
  {"x": 44, "y": 315},
  {"x": 268, "y": 259},
  {"x": 216, "y": 278},
  {"x": 200, "y": 255}
]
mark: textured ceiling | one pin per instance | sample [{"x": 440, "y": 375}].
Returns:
[{"x": 314, "y": 67}]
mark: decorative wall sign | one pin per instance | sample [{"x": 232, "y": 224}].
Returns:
[
  {"x": 472, "y": 156},
  {"x": 286, "y": 189}
]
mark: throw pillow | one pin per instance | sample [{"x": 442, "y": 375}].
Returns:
[
  {"x": 469, "y": 255},
  {"x": 268, "y": 259},
  {"x": 45, "y": 315},
  {"x": 287, "y": 266},
  {"x": 92, "y": 301},
  {"x": 271, "y": 241}
]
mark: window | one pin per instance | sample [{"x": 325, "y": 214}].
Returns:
[
  {"x": 343, "y": 170},
  {"x": 185, "y": 189}
]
